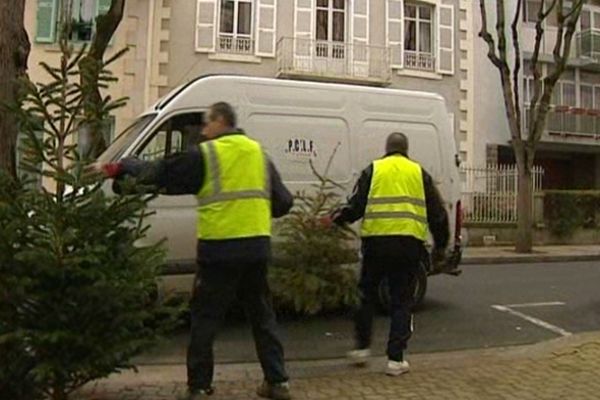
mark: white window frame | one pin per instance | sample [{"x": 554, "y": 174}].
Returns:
[
  {"x": 433, "y": 39},
  {"x": 329, "y": 48},
  {"x": 235, "y": 36},
  {"x": 330, "y": 10}
]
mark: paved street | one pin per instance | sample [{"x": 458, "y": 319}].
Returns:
[
  {"x": 458, "y": 314},
  {"x": 545, "y": 308}
]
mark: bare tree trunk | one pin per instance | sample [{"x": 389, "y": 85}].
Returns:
[
  {"x": 14, "y": 52},
  {"x": 525, "y": 213},
  {"x": 90, "y": 68}
]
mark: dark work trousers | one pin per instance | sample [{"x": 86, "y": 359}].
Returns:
[
  {"x": 399, "y": 264},
  {"x": 216, "y": 288}
]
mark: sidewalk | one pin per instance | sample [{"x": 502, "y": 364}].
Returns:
[
  {"x": 507, "y": 255},
  {"x": 562, "y": 368}
]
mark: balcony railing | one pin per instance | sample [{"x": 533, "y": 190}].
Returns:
[
  {"x": 588, "y": 44},
  {"x": 420, "y": 61},
  {"x": 578, "y": 124},
  {"x": 298, "y": 57},
  {"x": 234, "y": 44}
]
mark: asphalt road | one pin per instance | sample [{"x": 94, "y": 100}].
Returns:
[{"x": 487, "y": 306}]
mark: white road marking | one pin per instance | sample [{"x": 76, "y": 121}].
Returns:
[
  {"x": 533, "y": 320},
  {"x": 549, "y": 303}
]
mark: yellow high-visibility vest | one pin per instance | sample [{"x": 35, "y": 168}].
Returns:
[
  {"x": 235, "y": 200},
  {"x": 396, "y": 204}
]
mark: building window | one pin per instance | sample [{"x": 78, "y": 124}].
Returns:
[
  {"x": 83, "y": 19},
  {"x": 418, "y": 37},
  {"x": 531, "y": 9},
  {"x": 236, "y": 27},
  {"x": 83, "y": 15},
  {"x": 331, "y": 28}
]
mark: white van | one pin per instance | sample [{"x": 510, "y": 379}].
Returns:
[{"x": 296, "y": 121}]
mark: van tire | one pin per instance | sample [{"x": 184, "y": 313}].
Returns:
[{"x": 419, "y": 291}]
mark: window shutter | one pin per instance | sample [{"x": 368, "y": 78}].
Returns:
[
  {"x": 266, "y": 34},
  {"x": 445, "y": 39},
  {"x": 206, "y": 22},
  {"x": 395, "y": 31},
  {"x": 303, "y": 33},
  {"x": 360, "y": 37},
  {"x": 46, "y": 21}
]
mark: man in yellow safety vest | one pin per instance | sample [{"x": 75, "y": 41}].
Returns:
[
  {"x": 398, "y": 203},
  {"x": 239, "y": 190}
]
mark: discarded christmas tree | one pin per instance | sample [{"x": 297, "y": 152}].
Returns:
[
  {"x": 313, "y": 268},
  {"x": 77, "y": 290}
]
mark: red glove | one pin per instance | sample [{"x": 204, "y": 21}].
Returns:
[
  {"x": 112, "y": 170},
  {"x": 326, "y": 221}
]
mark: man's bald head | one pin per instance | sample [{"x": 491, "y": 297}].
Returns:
[{"x": 397, "y": 142}]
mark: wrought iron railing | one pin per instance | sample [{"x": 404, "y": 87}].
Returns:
[
  {"x": 588, "y": 43},
  {"x": 570, "y": 122},
  {"x": 235, "y": 44},
  {"x": 420, "y": 61},
  {"x": 297, "y": 56}
]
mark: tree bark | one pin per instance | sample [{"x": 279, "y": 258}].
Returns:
[
  {"x": 14, "y": 52},
  {"x": 90, "y": 68},
  {"x": 525, "y": 213}
]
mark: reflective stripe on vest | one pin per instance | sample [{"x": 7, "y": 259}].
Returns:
[
  {"x": 396, "y": 204},
  {"x": 234, "y": 201}
]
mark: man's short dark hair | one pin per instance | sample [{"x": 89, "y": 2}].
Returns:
[
  {"x": 224, "y": 110},
  {"x": 397, "y": 142}
]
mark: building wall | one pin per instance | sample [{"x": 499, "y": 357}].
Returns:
[
  {"x": 490, "y": 125},
  {"x": 130, "y": 69},
  {"x": 161, "y": 36},
  {"x": 185, "y": 63}
]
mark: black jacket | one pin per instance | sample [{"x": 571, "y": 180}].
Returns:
[
  {"x": 183, "y": 173},
  {"x": 437, "y": 218}
]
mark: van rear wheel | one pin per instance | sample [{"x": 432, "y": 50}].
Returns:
[{"x": 418, "y": 292}]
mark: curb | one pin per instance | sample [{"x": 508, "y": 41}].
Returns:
[
  {"x": 534, "y": 258},
  {"x": 153, "y": 374}
]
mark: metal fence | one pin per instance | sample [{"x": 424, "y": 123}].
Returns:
[{"x": 489, "y": 193}]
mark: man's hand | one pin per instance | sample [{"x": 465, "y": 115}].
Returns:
[
  {"x": 326, "y": 221},
  {"x": 110, "y": 170}
]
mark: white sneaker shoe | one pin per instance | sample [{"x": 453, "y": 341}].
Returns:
[
  {"x": 397, "y": 368},
  {"x": 359, "y": 358}
]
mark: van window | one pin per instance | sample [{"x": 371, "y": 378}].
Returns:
[
  {"x": 125, "y": 139},
  {"x": 292, "y": 141},
  {"x": 178, "y": 134},
  {"x": 424, "y": 144}
]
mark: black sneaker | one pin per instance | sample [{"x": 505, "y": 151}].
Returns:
[
  {"x": 197, "y": 394},
  {"x": 274, "y": 391}
]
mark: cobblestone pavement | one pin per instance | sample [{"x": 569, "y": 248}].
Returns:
[{"x": 567, "y": 368}]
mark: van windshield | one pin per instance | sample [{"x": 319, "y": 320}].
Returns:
[{"x": 125, "y": 139}]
